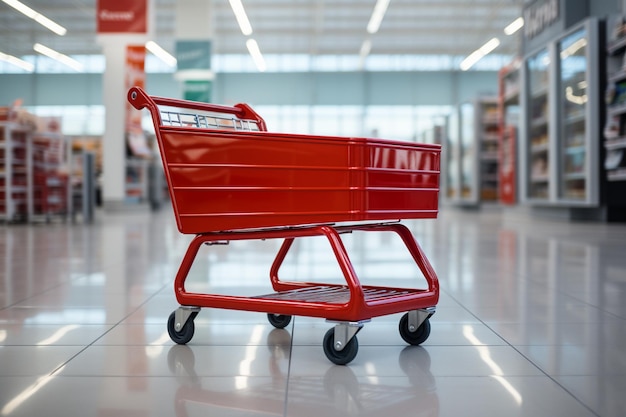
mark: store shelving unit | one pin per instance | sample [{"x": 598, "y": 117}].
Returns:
[
  {"x": 78, "y": 148},
  {"x": 15, "y": 171},
  {"x": 50, "y": 176},
  {"x": 39, "y": 173},
  {"x": 509, "y": 108},
  {"x": 561, "y": 121}
]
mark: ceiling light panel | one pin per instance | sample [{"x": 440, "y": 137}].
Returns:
[
  {"x": 36, "y": 16},
  {"x": 59, "y": 57},
  {"x": 328, "y": 27}
]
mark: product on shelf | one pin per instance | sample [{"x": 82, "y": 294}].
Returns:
[
  {"x": 614, "y": 159},
  {"x": 574, "y": 163},
  {"x": 611, "y": 129},
  {"x": 616, "y": 94},
  {"x": 539, "y": 140},
  {"x": 539, "y": 168},
  {"x": 619, "y": 28}
]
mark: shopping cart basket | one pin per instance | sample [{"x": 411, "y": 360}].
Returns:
[{"x": 230, "y": 179}]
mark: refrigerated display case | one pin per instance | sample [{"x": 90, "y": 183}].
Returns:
[
  {"x": 579, "y": 118},
  {"x": 615, "y": 124},
  {"x": 560, "y": 155}
]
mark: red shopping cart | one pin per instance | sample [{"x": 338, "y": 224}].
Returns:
[{"x": 230, "y": 179}]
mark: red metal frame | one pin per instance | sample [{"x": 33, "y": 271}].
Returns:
[
  {"x": 228, "y": 184},
  {"x": 350, "y": 302}
]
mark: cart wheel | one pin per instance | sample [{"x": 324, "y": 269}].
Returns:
[
  {"x": 280, "y": 321},
  {"x": 417, "y": 337},
  {"x": 343, "y": 356},
  {"x": 185, "y": 334}
]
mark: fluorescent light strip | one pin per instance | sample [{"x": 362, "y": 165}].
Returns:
[
  {"x": 27, "y": 66},
  {"x": 37, "y": 17},
  {"x": 377, "y": 16},
  {"x": 514, "y": 26},
  {"x": 366, "y": 47},
  {"x": 242, "y": 18},
  {"x": 255, "y": 52},
  {"x": 488, "y": 47},
  {"x": 161, "y": 53},
  {"x": 57, "y": 56},
  {"x": 479, "y": 54}
]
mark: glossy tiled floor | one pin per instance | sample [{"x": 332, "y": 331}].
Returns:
[{"x": 531, "y": 322}]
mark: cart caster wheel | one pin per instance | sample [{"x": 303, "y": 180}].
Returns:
[
  {"x": 185, "y": 334},
  {"x": 343, "y": 356},
  {"x": 280, "y": 321},
  {"x": 417, "y": 337}
]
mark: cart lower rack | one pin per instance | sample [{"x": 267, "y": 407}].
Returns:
[{"x": 230, "y": 179}]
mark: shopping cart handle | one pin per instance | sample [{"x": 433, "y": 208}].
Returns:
[{"x": 140, "y": 100}]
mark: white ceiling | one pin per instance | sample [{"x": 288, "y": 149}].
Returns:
[{"x": 318, "y": 27}]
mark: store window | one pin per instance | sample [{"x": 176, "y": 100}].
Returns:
[
  {"x": 389, "y": 122},
  {"x": 75, "y": 120},
  {"x": 231, "y": 63}
]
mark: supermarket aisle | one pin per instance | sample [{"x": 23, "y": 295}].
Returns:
[{"x": 531, "y": 322}]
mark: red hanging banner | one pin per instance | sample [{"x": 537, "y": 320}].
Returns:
[{"x": 115, "y": 16}]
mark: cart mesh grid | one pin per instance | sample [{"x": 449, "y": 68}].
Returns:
[{"x": 204, "y": 121}]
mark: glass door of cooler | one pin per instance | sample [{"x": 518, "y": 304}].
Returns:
[
  {"x": 538, "y": 127},
  {"x": 577, "y": 166},
  {"x": 469, "y": 154}
]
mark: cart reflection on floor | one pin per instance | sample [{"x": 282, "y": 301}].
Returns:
[{"x": 338, "y": 393}]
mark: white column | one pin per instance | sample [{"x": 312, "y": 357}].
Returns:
[
  {"x": 114, "y": 100},
  {"x": 113, "y": 141}
]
